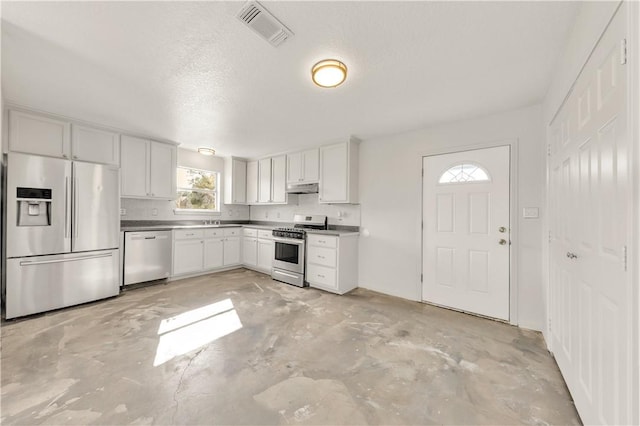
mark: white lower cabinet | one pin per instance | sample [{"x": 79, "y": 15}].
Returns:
[
  {"x": 213, "y": 253},
  {"x": 257, "y": 249},
  {"x": 231, "y": 251},
  {"x": 265, "y": 254},
  {"x": 205, "y": 249},
  {"x": 188, "y": 256},
  {"x": 332, "y": 262},
  {"x": 250, "y": 251}
]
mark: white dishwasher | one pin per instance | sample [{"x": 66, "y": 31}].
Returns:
[{"x": 147, "y": 256}]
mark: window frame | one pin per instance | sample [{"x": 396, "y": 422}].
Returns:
[{"x": 215, "y": 192}]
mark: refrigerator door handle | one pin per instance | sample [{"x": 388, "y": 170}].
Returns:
[
  {"x": 71, "y": 259},
  {"x": 76, "y": 205},
  {"x": 66, "y": 207}
]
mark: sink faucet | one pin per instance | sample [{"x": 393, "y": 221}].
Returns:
[{"x": 211, "y": 222}]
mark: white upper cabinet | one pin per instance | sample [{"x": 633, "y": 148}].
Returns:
[
  {"x": 295, "y": 167},
  {"x": 302, "y": 167},
  {"x": 235, "y": 181},
  {"x": 264, "y": 180},
  {"x": 339, "y": 173},
  {"x": 162, "y": 170},
  {"x": 272, "y": 180},
  {"x": 133, "y": 167},
  {"x": 252, "y": 182},
  {"x": 311, "y": 166},
  {"x": 148, "y": 168},
  {"x": 95, "y": 145},
  {"x": 279, "y": 179},
  {"x": 37, "y": 134}
]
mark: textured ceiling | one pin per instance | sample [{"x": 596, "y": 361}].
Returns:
[{"x": 191, "y": 72}]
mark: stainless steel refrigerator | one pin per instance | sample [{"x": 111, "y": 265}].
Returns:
[{"x": 62, "y": 233}]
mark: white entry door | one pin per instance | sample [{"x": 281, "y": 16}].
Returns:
[
  {"x": 590, "y": 289},
  {"x": 466, "y": 232}
]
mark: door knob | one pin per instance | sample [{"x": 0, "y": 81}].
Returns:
[
  {"x": 502, "y": 229},
  {"x": 571, "y": 255},
  {"x": 502, "y": 241}
]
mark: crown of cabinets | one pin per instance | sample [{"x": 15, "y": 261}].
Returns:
[
  {"x": 148, "y": 169},
  {"x": 303, "y": 167},
  {"x": 52, "y": 137}
]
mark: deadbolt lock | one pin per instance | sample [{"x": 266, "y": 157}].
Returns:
[{"x": 502, "y": 229}]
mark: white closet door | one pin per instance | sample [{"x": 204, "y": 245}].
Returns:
[{"x": 590, "y": 288}]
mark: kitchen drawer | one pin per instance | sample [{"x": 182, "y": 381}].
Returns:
[
  {"x": 322, "y": 240},
  {"x": 228, "y": 232},
  {"x": 265, "y": 234},
  {"x": 213, "y": 233},
  {"x": 189, "y": 234},
  {"x": 321, "y": 275},
  {"x": 249, "y": 232},
  {"x": 322, "y": 256}
]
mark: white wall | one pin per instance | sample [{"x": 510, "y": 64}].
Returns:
[
  {"x": 391, "y": 197},
  {"x": 145, "y": 209},
  {"x": 337, "y": 214},
  {"x": 591, "y": 20}
]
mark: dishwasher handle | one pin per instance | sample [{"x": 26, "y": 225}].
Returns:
[{"x": 137, "y": 237}]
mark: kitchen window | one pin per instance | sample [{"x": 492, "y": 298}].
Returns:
[{"x": 198, "y": 191}]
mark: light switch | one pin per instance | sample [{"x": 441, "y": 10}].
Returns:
[
  {"x": 530, "y": 213},
  {"x": 123, "y": 212}
]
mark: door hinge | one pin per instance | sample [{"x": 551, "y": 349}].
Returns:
[
  {"x": 623, "y": 51},
  {"x": 421, "y": 278},
  {"x": 549, "y": 237},
  {"x": 548, "y": 150},
  {"x": 422, "y": 172},
  {"x": 624, "y": 257},
  {"x": 422, "y": 225}
]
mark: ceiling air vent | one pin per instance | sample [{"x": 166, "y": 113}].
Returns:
[{"x": 265, "y": 24}]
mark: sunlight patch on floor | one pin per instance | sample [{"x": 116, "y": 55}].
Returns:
[{"x": 192, "y": 329}]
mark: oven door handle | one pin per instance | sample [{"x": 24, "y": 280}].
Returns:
[{"x": 288, "y": 241}]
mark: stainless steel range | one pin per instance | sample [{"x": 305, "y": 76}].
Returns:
[{"x": 289, "y": 253}]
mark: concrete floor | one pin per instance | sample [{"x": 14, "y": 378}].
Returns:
[{"x": 263, "y": 352}]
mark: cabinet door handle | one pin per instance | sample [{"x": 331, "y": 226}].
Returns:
[
  {"x": 321, "y": 257},
  {"x": 321, "y": 276}
]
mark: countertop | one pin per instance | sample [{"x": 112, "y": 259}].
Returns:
[{"x": 169, "y": 226}]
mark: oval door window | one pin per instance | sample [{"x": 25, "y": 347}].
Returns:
[{"x": 464, "y": 173}]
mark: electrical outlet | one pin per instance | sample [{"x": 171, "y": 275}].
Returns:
[
  {"x": 123, "y": 212},
  {"x": 266, "y": 215},
  {"x": 154, "y": 212},
  {"x": 278, "y": 215}
]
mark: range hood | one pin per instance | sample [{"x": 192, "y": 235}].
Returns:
[{"x": 302, "y": 188}]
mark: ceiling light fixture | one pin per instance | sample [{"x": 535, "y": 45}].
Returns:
[
  {"x": 329, "y": 73},
  {"x": 206, "y": 151}
]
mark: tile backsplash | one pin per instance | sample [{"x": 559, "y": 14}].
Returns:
[
  {"x": 337, "y": 214},
  {"x": 163, "y": 210}
]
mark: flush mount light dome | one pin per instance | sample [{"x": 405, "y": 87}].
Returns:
[
  {"x": 206, "y": 151},
  {"x": 329, "y": 73}
]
